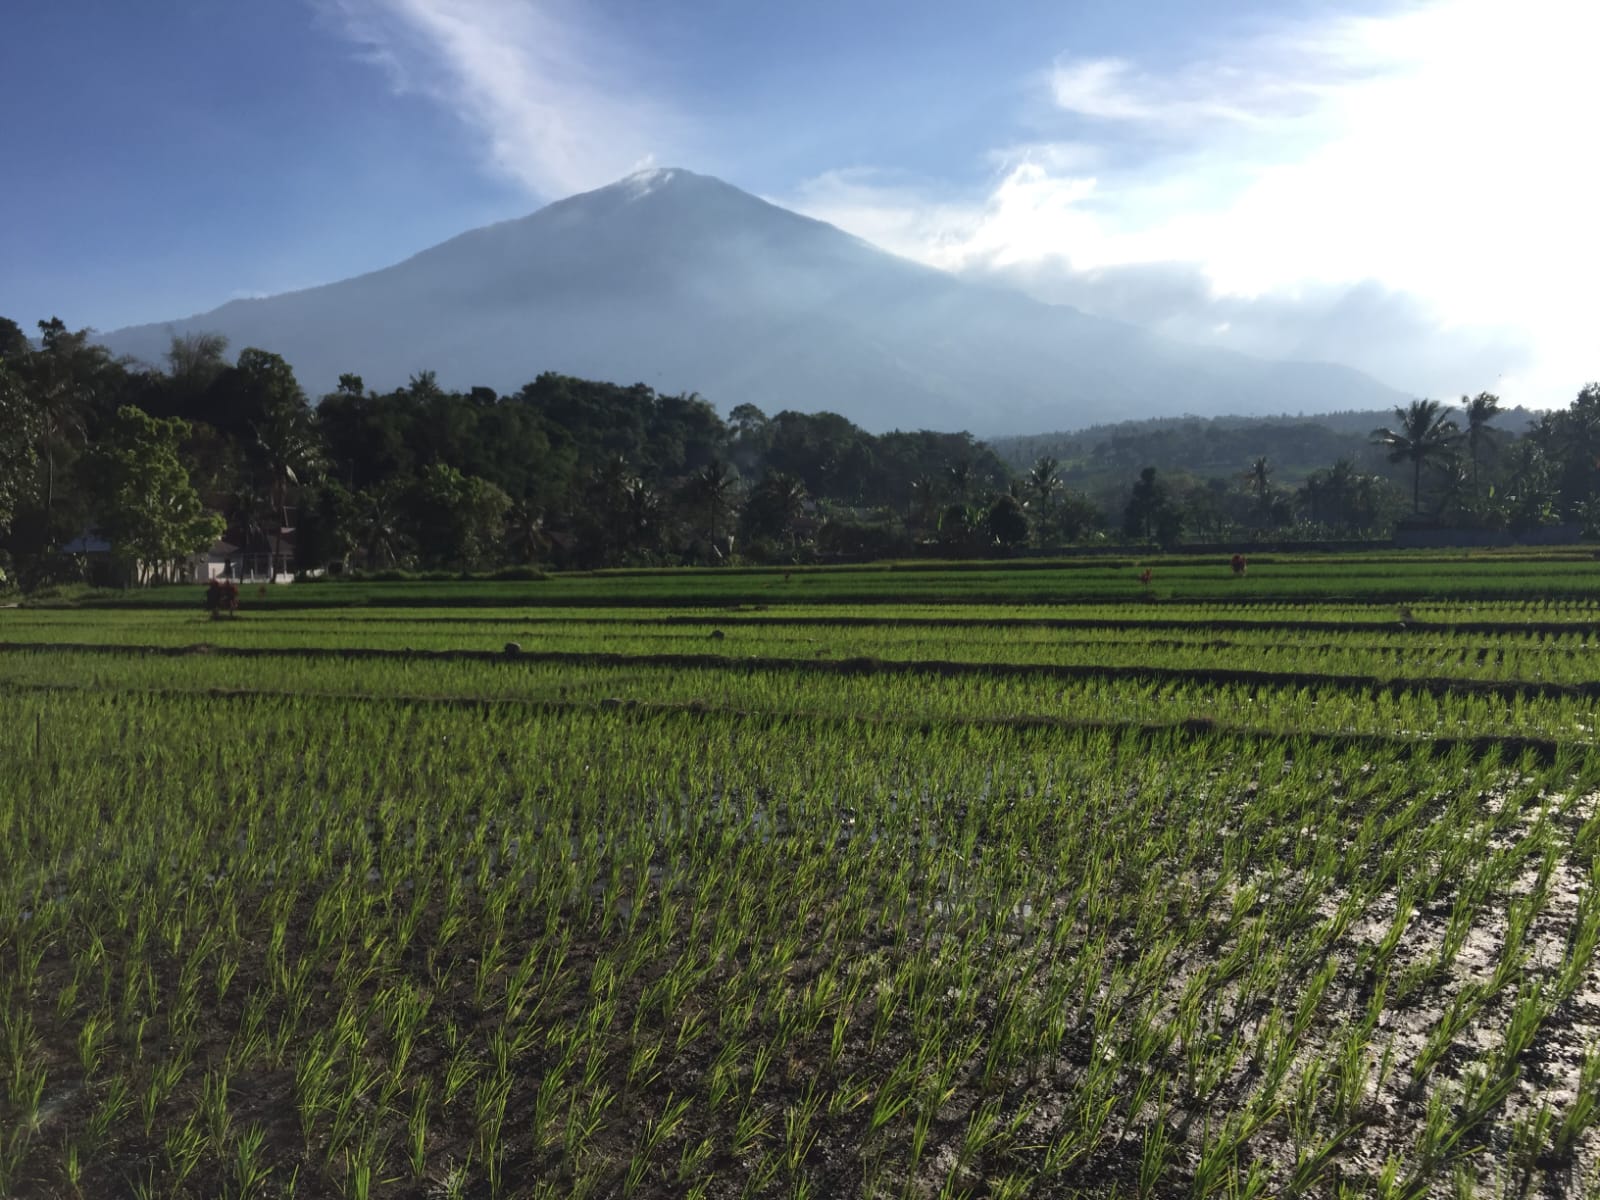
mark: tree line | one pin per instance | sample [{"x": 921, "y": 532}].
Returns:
[{"x": 161, "y": 461}]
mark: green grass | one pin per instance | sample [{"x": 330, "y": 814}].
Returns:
[{"x": 1399, "y": 578}]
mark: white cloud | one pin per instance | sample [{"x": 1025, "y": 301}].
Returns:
[
  {"x": 1442, "y": 154},
  {"x": 554, "y": 98},
  {"x": 1111, "y": 89},
  {"x": 903, "y": 215}
]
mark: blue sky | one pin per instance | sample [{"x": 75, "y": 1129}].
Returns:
[{"x": 1407, "y": 187}]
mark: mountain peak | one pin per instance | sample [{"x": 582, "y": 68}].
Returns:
[
  {"x": 688, "y": 283},
  {"x": 651, "y": 178}
]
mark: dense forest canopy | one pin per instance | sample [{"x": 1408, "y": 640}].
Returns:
[{"x": 157, "y": 463}]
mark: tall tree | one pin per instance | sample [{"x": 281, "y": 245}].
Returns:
[
  {"x": 1150, "y": 514},
  {"x": 619, "y": 515},
  {"x": 13, "y": 342},
  {"x": 773, "y": 510},
  {"x": 525, "y": 537},
  {"x": 1043, "y": 486},
  {"x": 1423, "y": 433},
  {"x": 146, "y": 507},
  {"x": 1259, "y": 479},
  {"x": 926, "y": 491},
  {"x": 1332, "y": 496},
  {"x": 959, "y": 474},
  {"x": 708, "y": 494},
  {"x": 197, "y": 359},
  {"x": 1006, "y": 523},
  {"x": 1532, "y": 492},
  {"x": 458, "y": 518},
  {"x": 1479, "y": 411},
  {"x": 378, "y": 524},
  {"x": 281, "y": 439},
  {"x": 70, "y": 380},
  {"x": 19, "y": 437},
  {"x": 1569, "y": 440}
]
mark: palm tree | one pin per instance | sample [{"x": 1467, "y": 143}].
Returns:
[
  {"x": 710, "y": 491},
  {"x": 284, "y": 441},
  {"x": 925, "y": 493},
  {"x": 1425, "y": 432},
  {"x": 1259, "y": 477},
  {"x": 378, "y": 524},
  {"x": 959, "y": 475},
  {"x": 1479, "y": 410},
  {"x": 1043, "y": 481},
  {"x": 1314, "y": 494},
  {"x": 774, "y": 507},
  {"x": 525, "y": 536},
  {"x": 621, "y": 510},
  {"x": 1339, "y": 485},
  {"x": 281, "y": 435}
]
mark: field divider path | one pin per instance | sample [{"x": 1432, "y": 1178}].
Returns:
[
  {"x": 1436, "y": 686},
  {"x": 1509, "y": 746}
]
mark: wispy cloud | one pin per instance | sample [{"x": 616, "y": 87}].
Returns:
[
  {"x": 1439, "y": 156},
  {"x": 1274, "y": 77},
  {"x": 1113, "y": 89},
  {"x": 554, "y": 97}
]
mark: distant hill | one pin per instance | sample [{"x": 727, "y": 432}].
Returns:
[{"x": 686, "y": 283}]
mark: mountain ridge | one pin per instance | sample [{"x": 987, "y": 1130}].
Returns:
[{"x": 686, "y": 283}]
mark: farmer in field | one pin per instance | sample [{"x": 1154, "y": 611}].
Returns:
[
  {"x": 222, "y": 598},
  {"x": 1238, "y": 564}
]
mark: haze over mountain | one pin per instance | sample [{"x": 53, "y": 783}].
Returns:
[{"x": 686, "y": 283}]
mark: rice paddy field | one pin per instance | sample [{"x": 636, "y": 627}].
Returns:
[{"x": 930, "y": 882}]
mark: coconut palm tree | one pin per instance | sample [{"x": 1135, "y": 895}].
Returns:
[
  {"x": 378, "y": 522},
  {"x": 1259, "y": 478},
  {"x": 1479, "y": 411},
  {"x": 1314, "y": 495},
  {"x": 774, "y": 508},
  {"x": 1043, "y": 481},
  {"x": 926, "y": 491},
  {"x": 959, "y": 476},
  {"x": 1425, "y": 433},
  {"x": 709, "y": 492},
  {"x": 1339, "y": 485},
  {"x": 525, "y": 537},
  {"x": 280, "y": 436}
]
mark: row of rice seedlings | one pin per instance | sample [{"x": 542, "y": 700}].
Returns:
[
  {"x": 1360, "y": 655},
  {"x": 1378, "y": 656},
  {"x": 619, "y": 956},
  {"x": 1311, "y": 708}
]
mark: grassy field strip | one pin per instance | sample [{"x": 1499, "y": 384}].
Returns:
[
  {"x": 1397, "y": 580},
  {"x": 170, "y": 628},
  {"x": 1533, "y": 658},
  {"x": 1484, "y": 619},
  {"x": 1137, "y": 695},
  {"x": 589, "y": 954},
  {"x": 1503, "y": 674}
]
